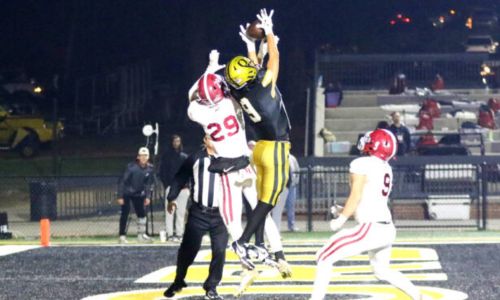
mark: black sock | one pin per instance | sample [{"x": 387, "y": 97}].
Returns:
[
  {"x": 279, "y": 255},
  {"x": 258, "y": 217},
  {"x": 259, "y": 235}
]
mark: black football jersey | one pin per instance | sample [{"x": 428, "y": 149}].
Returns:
[{"x": 267, "y": 115}]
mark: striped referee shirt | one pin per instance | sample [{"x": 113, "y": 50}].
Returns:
[{"x": 205, "y": 186}]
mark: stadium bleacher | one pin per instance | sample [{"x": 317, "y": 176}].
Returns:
[{"x": 362, "y": 110}]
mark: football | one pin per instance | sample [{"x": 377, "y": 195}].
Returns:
[{"x": 254, "y": 32}]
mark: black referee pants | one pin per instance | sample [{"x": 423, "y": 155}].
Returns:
[{"x": 199, "y": 222}]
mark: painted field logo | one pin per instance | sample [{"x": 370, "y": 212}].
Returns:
[{"x": 351, "y": 277}]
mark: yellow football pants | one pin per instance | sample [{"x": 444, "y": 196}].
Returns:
[{"x": 271, "y": 162}]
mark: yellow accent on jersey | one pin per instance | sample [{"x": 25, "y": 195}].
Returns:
[
  {"x": 268, "y": 78},
  {"x": 271, "y": 161}
]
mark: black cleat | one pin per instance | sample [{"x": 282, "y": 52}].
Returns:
[
  {"x": 213, "y": 295},
  {"x": 174, "y": 288}
]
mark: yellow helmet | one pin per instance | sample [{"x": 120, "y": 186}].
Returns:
[{"x": 240, "y": 71}]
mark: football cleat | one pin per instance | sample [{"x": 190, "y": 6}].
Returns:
[
  {"x": 258, "y": 253},
  {"x": 241, "y": 251},
  {"x": 247, "y": 278},
  {"x": 284, "y": 268}
]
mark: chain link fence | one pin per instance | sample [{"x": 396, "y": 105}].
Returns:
[{"x": 428, "y": 192}]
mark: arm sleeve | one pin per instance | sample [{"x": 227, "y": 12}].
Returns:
[
  {"x": 181, "y": 178},
  {"x": 196, "y": 112},
  {"x": 122, "y": 181}
]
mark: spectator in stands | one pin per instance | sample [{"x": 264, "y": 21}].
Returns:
[
  {"x": 398, "y": 85},
  {"x": 382, "y": 125},
  {"x": 402, "y": 134},
  {"x": 438, "y": 83},
  {"x": 136, "y": 187},
  {"x": 170, "y": 163}
]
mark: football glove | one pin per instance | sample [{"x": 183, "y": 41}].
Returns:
[
  {"x": 337, "y": 223},
  {"x": 248, "y": 40},
  {"x": 266, "y": 21},
  {"x": 213, "y": 62}
]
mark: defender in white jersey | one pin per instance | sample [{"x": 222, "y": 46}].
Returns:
[
  {"x": 221, "y": 117},
  {"x": 371, "y": 183}
]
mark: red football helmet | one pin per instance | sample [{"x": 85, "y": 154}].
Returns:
[
  {"x": 380, "y": 143},
  {"x": 211, "y": 88}
]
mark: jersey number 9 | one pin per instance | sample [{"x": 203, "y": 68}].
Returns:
[{"x": 250, "y": 110}]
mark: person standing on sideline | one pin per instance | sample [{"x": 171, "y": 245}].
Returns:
[
  {"x": 287, "y": 197},
  {"x": 136, "y": 187},
  {"x": 293, "y": 182},
  {"x": 371, "y": 183},
  {"x": 170, "y": 163},
  {"x": 203, "y": 217},
  {"x": 401, "y": 132}
]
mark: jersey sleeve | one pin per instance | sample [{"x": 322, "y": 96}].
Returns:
[
  {"x": 197, "y": 113},
  {"x": 359, "y": 166}
]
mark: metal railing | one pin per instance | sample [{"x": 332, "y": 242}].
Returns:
[
  {"x": 427, "y": 192},
  {"x": 372, "y": 71}
]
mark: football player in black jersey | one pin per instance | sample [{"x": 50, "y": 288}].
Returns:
[{"x": 254, "y": 87}]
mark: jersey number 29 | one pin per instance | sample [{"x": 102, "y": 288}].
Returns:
[{"x": 230, "y": 124}]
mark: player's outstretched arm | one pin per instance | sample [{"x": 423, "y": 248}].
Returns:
[
  {"x": 213, "y": 66},
  {"x": 266, "y": 23},
  {"x": 250, "y": 42}
]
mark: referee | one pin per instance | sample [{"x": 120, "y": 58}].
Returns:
[{"x": 203, "y": 217}]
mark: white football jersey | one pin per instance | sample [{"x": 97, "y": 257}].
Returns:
[
  {"x": 223, "y": 122},
  {"x": 373, "y": 206}
]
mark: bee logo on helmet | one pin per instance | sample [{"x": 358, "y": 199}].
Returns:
[{"x": 240, "y": 71}]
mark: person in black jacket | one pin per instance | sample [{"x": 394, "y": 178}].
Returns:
[
  {"x": 136, "y": 187},
  {"x": 203, "y": 217},
  {"x": 402, "y": 134},
  {"x": 171, "y": 161}
]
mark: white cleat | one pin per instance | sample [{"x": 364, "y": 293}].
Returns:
[
  {"x": 284, "y": 269},
  {"x": 247, "y": 278}
]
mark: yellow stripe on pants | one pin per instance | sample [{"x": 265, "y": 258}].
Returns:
[{"x": 271, "y": 162}]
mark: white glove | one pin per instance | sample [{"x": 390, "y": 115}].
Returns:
[
  {"x": 248, "y": 40},
  {"x": 337, "y": 223},
  {"x": 213, "y": 62},
  {"x": 336, "y": 210},
  {"x": 266, "y": 21}
]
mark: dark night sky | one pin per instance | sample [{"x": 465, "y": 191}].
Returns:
[
  {"x": 36, "y": 34},
  {"x": 78, "y": 37}
]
